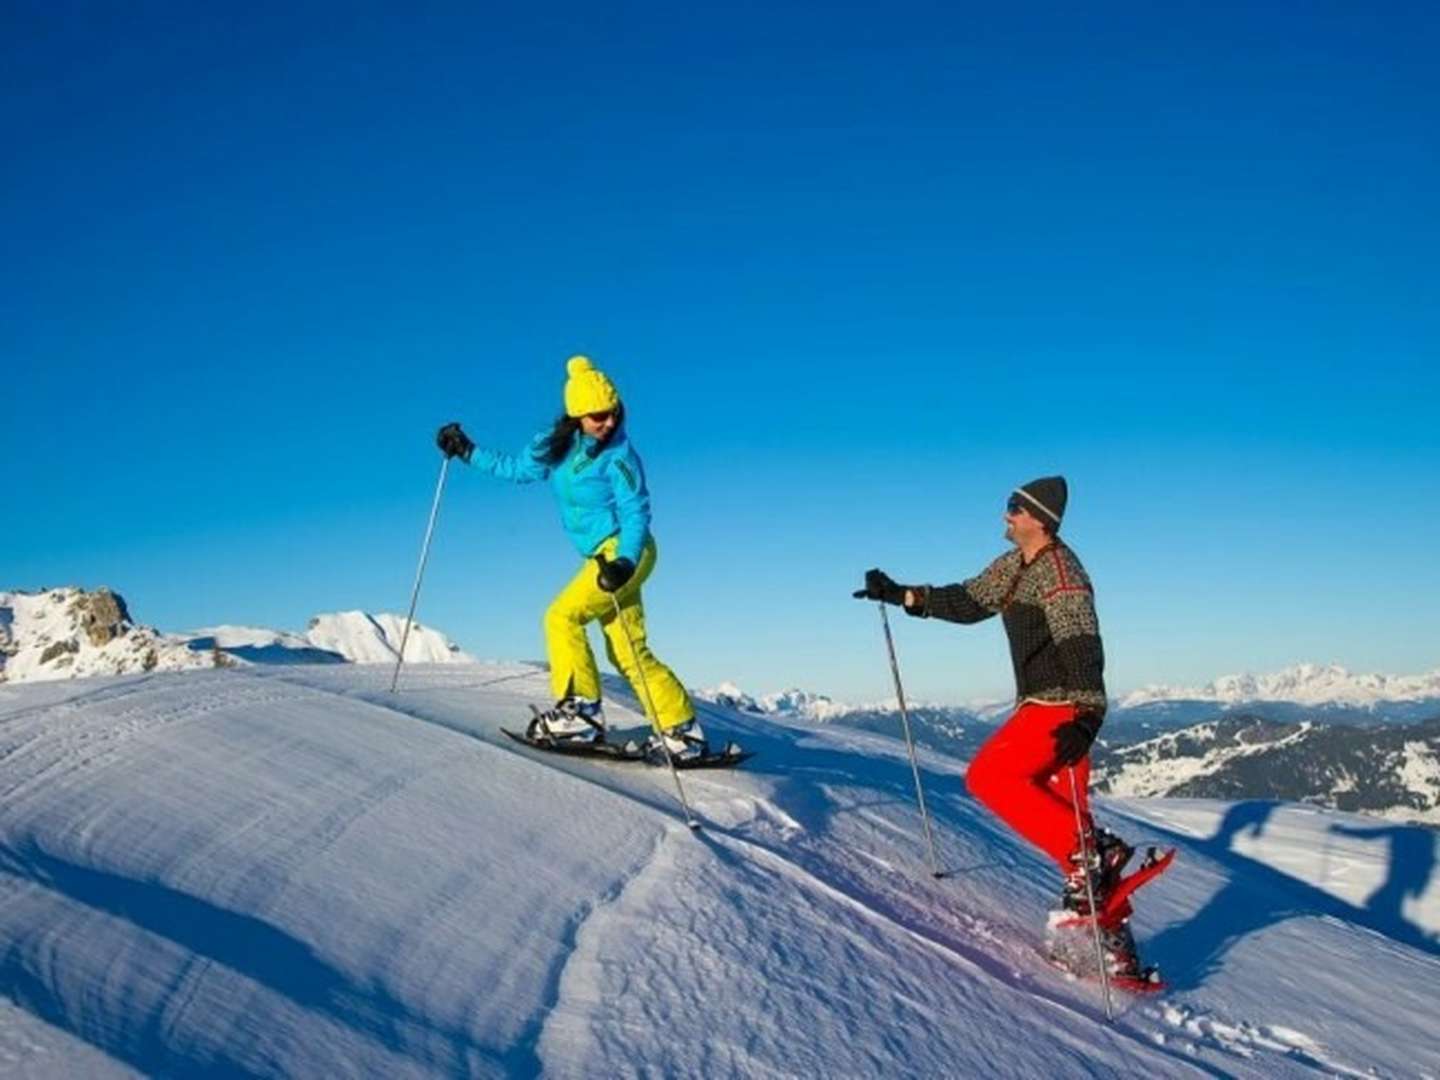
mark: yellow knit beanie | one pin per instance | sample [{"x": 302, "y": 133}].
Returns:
[{"x": 587, "y": 390}]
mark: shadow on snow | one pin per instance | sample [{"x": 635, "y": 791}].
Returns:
[
  {"x": 1260, "y": 896},
  {"x": 246, "y": 945}
]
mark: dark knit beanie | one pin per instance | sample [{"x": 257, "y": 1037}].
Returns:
[{"x": 1045, "y": 498}]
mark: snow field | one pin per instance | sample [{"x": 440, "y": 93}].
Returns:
[{"x": 291, "y": 872}]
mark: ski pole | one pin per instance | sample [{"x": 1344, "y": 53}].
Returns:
[
  {"x": 654, "y": 716},
  {"x": 420, "y": 571},
  {"x": 935, "y": 870},
  {"x": 1090, "y": 896}
]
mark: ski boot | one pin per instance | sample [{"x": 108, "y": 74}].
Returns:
[
  {"x": 568, "y": 720},
  {"x": 1122, "y": 961},
  {"x": 1108, "y": 856},
  {"x": 685, "y": 742}
]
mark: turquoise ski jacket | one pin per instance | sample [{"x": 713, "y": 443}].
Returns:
[{"x": 601, "y": 493}]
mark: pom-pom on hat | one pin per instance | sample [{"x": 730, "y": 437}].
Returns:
[
  {"x": 587, "y": 390},
  {"x": 1045, "y": 498}
]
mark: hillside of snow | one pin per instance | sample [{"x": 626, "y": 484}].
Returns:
[{"x": 288, "y": 871}]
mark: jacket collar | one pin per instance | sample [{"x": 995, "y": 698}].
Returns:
[{"x": 588, "y": 443}]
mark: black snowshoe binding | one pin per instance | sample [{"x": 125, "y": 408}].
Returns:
[
  {"x": 568, "y": 721},
  {"x": 1108, "y": 856}
]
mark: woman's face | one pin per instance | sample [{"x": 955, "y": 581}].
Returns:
[{"x": 598, "y": 425}]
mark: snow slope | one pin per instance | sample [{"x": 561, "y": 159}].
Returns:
[{"x": 287, "y": 871}]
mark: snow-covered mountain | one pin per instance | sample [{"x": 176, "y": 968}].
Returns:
[
  {"x": 1319, "y": 691},
  {"x": 792, "y": 702},
  {"x": 375, "y": 639},
  {"x": 290, "y": 871},
  {"x": 1391, "y": 771},
  {"x": 71, "y": 633},
  {"x": 1311, "y": 685},
  {"x": 952, "y": 729}
]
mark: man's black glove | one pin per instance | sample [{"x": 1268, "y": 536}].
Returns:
[
  {"x": 614, "y": 574},
  {"x": 878, "y": 586},
  {"x": 454, "y": 443},
  {"x": 1073, "y": 738}
]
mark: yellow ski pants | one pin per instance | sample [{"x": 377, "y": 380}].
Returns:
[{"x": 572, "y": 664}]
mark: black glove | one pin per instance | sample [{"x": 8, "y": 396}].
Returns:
[
  {"x": 878, "y": 586},
  {"x": 1073, "y": 738},
  {"x": 614, "y": 575},
  {"x": 454, "y": 443}
]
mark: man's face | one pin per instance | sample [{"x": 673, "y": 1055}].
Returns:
[{"x": 1021, "y": 527}]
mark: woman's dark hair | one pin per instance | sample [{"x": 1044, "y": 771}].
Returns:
[{"x": 562, "y": 437}]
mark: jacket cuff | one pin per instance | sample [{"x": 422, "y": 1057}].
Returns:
[{"x": 922, "y": 609}]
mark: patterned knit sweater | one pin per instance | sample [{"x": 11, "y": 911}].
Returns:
[{"x": 1048, "y": 607}]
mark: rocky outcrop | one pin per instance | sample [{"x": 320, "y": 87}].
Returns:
[
  {"x": 101, "y": 614},
  {"x": 68, "y": 647},
  {"x": 67, "y": 633}
]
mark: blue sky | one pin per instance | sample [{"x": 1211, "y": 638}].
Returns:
[{"x": 856, "y": 276}]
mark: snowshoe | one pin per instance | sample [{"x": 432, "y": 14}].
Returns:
[
  {"x": 685, "y": 746},
  {"x": 630, "y": 750},
  {"x": 1071, "y": 949},
  {"x": 1108, "y": 855},
  {"x": 568, "y": 720},
  {"x": 683, "y": 742},
  {"x": 1114, "y": 901}
]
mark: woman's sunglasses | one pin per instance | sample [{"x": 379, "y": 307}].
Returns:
[{"x": 600, "y": 417}]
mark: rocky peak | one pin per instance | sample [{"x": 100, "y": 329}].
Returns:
[
  {"x": 101, "y": 615},
  {"x": 68, "y": 632}
]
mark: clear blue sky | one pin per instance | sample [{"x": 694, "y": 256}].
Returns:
[{"x": 856, "y": 274}]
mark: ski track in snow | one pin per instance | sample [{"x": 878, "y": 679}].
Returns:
[{"x": 803, "y": 907}]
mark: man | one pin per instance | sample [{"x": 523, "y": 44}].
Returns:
[{"x": 1034, "y": 772}]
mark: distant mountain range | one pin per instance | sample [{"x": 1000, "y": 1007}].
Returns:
[
  {"x": 1391, "y": 771},
  {"x": 70, "y": 632},
  {"x": 1304, "y": 692},
  {"x": 1374, "y": 747},
  {"x": 1310, "y": 685}
]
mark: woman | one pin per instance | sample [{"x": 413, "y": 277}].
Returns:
[{"x": 605, "y": 508}]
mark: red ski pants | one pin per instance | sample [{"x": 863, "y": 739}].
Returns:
[{"x": 1015, "y": 775}]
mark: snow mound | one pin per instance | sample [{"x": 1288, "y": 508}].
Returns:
[
  {"x": 69, "y": 633},
  {"x": 363, "y": 638}
]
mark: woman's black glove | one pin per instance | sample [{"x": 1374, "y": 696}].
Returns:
[
  {"x": 614, "y": 574},
  {"x": 454, "y": 443},
  {"x": 1073, "y": 738},
  {"x": 878, "y": 586}
]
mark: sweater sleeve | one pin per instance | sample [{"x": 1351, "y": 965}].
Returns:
[
  {"x": 970, "y": 601},
  {"x": 525, "y": 467},
  {"x": 632, "y": 504},
  {"x": 1075, "y": 629}
]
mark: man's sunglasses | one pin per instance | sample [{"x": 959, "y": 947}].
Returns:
[{"x": 1015, "y": 506}]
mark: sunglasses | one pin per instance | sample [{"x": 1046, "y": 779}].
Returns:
[
  {"x": 1015, "y": 506},
  {"x": 600, "y": 417}
]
